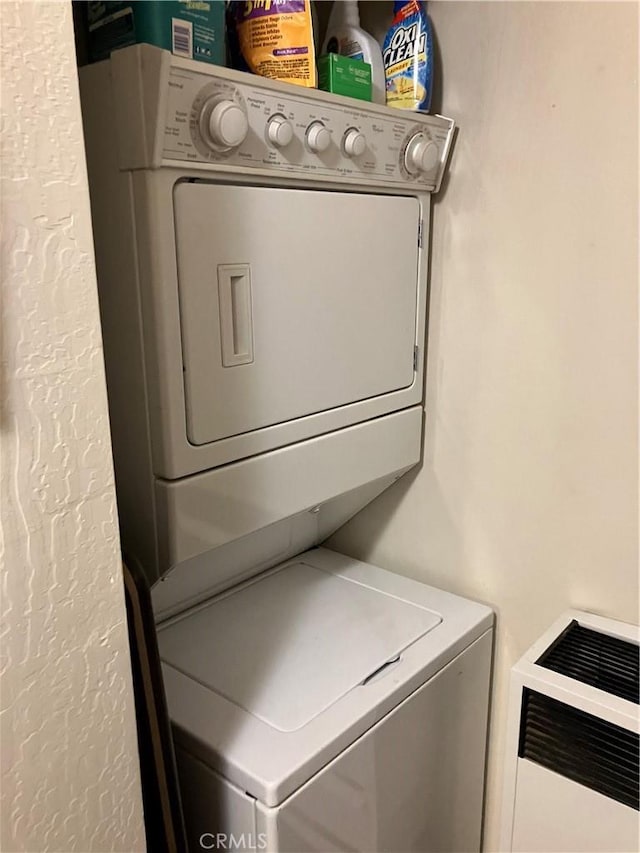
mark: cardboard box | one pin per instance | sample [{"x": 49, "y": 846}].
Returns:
[
  {"x": 344, "y": 76},
  {"x": 193, "y": 29}
]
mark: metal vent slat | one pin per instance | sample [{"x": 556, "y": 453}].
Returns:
[
  {"x": 591, "y": 656},
  {"x": 597, "y": 659},
  {"x": 568, "y": 753},
  {"x": 596, "y": 740},
  {"x": 581, "y": 747}
]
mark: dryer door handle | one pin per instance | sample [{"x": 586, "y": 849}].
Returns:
[{"x": 236, "y": 314}]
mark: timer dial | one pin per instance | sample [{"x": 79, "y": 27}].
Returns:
[
  {"x": 421, "y": 155},
  {"x": 223, "y": 124}
]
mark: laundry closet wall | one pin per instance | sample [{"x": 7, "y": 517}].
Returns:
[
  {"x": 527, "y": 498},
  {"x": 70, "y": 777}
]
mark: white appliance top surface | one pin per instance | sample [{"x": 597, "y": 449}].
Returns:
[
  {"x": 287, "y": 646},
  {"x": 265, "y": 682}
]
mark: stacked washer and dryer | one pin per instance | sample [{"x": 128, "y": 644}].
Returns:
[{"x": 262, "y": 256}]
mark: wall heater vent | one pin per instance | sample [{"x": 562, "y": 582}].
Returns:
[
  {"x": 581, "y": 747},
  {"x": 572, "y": 778},
  {"x": 589, "y": 656}
]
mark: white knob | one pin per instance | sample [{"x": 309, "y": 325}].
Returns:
[
  {"x": 354, "y": 143},
  {"x": 318, "y": 137},
  {"x": 422, "y": 155},
  {"x": 228, "y": 124},
  {"x": 279, "y": 131}
]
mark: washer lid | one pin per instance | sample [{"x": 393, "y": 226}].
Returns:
[
  {"x": 300, "y": 636},
  {"x": 287, "y": 646}
]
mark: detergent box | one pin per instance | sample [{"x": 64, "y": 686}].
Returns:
[
  {"x": 193, "y": 29},
  {"x": 343, "y": 75}
]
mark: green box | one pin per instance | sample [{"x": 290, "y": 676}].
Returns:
[
  {"x": 344, "y": 76},
  {"x": 193, "y": 29}
]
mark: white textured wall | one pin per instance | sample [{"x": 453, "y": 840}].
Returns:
[
  {"x": 70, "y": 778},
  {"x": 527, "y": 498}
]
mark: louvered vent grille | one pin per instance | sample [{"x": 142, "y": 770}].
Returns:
[
  {"x": 581, "y": 747},
  {"x": 600, "y": 660}
]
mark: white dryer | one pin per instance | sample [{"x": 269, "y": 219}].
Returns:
[{"x": 263, "y": 293}]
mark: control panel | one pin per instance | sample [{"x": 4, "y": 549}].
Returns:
[{"x": 224, "y": 118}]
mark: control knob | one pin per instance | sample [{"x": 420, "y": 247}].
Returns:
[
  {"x": 318, "y": 137},
  {"x": 354, "y": 142},
  {"x": 421, "y": 154},
  {"x": 224, "y": 124},
  {"x": 279, "y": 131}
]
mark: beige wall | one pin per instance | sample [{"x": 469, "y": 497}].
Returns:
[
  {"x": 527, "y": 498},
  {"x": 70, "y": 778}
]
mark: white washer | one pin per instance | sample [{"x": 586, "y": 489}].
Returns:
[
  {"x": 330, "y": 705},
  {"x": 263, "y": 294}
]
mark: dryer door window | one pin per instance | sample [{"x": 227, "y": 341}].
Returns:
[{"x": 292, "y": 302}]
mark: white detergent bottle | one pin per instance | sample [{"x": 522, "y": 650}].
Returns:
[{"x": 346, "y": 37}]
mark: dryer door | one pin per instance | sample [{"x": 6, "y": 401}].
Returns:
[{"x": 292, "y": 302}]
